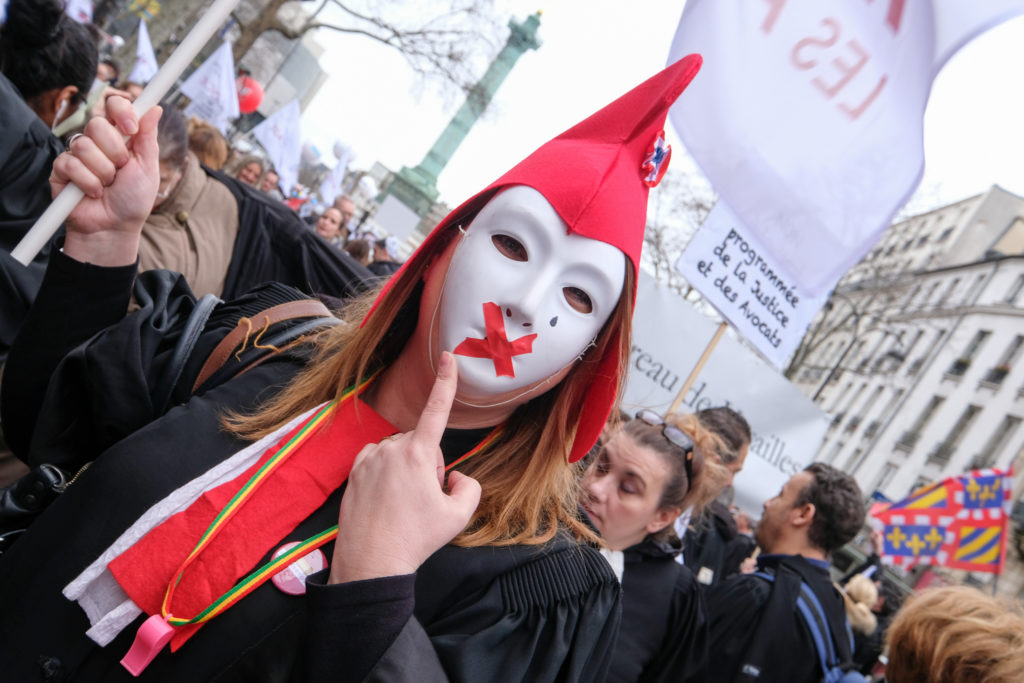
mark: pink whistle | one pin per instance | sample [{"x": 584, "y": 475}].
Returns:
[{"x": 154, "y": 633}]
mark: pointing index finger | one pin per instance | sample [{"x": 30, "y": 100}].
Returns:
[{"x": 434, "y": 417}]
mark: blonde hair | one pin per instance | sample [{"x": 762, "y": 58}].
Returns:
[
  {"x": 955, "y": 634},
  {"x": 713, "y": 474},
  {"x": 530, "y": 490},
  {"x": 207, "y": 143},
  {"x": 859, "y": 595}
]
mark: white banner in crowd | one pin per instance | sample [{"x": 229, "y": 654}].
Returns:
[
  {"x": 79, "y": 10},
  {"x": 727, "y": 264},
  {"x": 280, "y": 135},
  {"x": 211, "y": 88},
  {"x": 807, "y": 116},
  {"x": 331, "y": 186},
  {"x": 669, "y": 336},
  {"x": 145, "y": 59}
]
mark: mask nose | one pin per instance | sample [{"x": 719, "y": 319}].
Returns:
[{"x": 528, "y": 311}]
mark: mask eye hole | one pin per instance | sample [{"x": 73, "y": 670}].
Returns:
[
  {"x": 578, "y": 299},
  {"x": 510, "y": 247}
]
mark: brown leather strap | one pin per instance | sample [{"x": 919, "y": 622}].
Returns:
[{"x": 303, "y": 308}]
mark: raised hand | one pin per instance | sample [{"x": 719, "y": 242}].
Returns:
[
  {"x": 395, "y": 512},
  {"x": 119, "y": 176}
]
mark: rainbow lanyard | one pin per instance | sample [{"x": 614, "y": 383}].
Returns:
[{"x": 260, "y": 575}]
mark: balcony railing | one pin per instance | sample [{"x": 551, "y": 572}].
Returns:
[
  {"x": 908, "y": 440},
  {"x": 959, "y": 367},
  {"x": 941, "y": 454},
  {"x": 997, "y": 374}
]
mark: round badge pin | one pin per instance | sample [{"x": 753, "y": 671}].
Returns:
[{"x": 292, "y": 579}]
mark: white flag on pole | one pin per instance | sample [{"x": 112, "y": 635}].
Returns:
[
  {"x": 211, "y": 88},
  {"x": 807, "y": 117},
  {"x": 79, "y": 10},
  {"x": 145, "y": 59},
  {"x": 330, "y": 188},
  {"x": 281, "y": 136}
]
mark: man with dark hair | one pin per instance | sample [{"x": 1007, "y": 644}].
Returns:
[{"x": 755, "y": 619}]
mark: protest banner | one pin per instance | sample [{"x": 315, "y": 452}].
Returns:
[
  {"x": 281, "y": 136},
  {"x": 727, "y": 264},
  {"x": 211, "y": 88},
  {"x": 807, "y": 117},
  {"x": 669, "y": 335},
  {"x": 145, "y": 59}
]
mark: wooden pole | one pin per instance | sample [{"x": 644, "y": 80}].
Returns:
[
  {"x": 698, "y": 367},
  {"x": 64, "y": 203}
]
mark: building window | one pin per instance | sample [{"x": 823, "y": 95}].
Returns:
[
  {"x": 910, "y": 437},
  {"x": 922, "y": 240},
  {"x": 944, "y": 450},
  {"x": 960, "y": 365},
  {"x": 997, "y": 374},
  {"x": 972, "y": 295},
  {"x": 855, "y": 461},
  {"x": 884, "y": 477},
  {"x": 950, "y": 289},
  {"x": 996, "y": 442},
  {"x": 1018, "y": 285},
  {"x": 910, "y": 299},
  {"x": 945, "y": 235}
]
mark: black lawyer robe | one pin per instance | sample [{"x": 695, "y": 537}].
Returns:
[
  {"x": 518, "y": 613},
  {"x": 664, "y": 633}
]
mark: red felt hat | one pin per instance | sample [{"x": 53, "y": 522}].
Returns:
[{"x": 597, "y": 176}]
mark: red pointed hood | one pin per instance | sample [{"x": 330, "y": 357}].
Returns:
[{"x": 597, "y": 176}]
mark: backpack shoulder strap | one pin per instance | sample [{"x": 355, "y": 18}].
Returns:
[
  {"x": 813, "y": 614},
  {"x": 290, "y": 310}
]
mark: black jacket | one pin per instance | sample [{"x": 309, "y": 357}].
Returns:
[
  {"x": 273, "y": 244},
  {"x": 27, "y": 151},
  {"x": 738, "y": 607},
  {"x": 714, "y": 547},
  {"x": 664, "y": 629},
  {"x": 510, "y": 613}
]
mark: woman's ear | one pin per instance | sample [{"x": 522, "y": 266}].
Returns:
[{"x": 662, "y": 518}]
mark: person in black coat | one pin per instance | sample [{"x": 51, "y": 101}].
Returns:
[
  {"x": 460, "y": 553},
  {"x": 640, "y": 480},
  {"x": 47, "y": 64},
  {"x": 754, "y": 620}
]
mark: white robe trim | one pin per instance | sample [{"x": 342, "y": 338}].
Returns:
[{"x": 106, "y": 604}]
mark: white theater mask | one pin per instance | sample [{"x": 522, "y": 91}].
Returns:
[{"x": 523, "y": 298}]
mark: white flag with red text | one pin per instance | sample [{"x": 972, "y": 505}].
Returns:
[
  {"x": 281, "y": 136},
  {"x": 145, "y": 59},
  {"x": 807, "y": 116},
  {"x": 79, "y": 10}
]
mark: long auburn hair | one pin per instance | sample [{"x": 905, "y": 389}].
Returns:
[{"x": 529, "y": 489}]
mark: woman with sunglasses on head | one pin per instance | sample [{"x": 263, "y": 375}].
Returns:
[{"x": 641, "y": 479}]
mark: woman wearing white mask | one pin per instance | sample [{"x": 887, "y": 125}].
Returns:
[{"x": 458, "y": 552}]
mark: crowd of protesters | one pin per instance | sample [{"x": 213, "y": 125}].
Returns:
[{"x": 620, "y": 560}]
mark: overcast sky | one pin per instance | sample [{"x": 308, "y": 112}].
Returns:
[{"x": 593, "y": 51}]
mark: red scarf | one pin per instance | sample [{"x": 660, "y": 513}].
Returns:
[{"x": 296, "y": 489}]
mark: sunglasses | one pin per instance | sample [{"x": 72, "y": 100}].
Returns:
[{"x": 676, "y": 437}]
